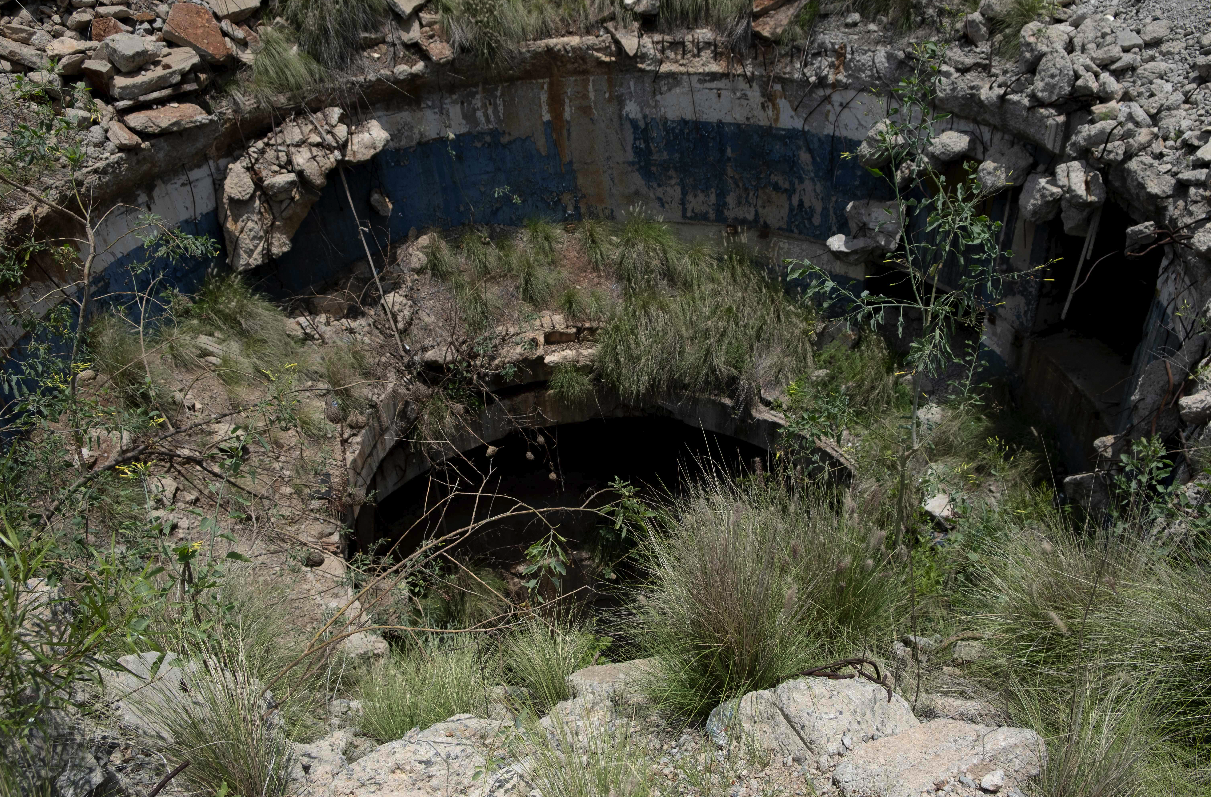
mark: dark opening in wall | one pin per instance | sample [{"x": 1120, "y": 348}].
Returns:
[
  {"x": 657, "y": 454},
  {"x": 1079, "y": 364}
]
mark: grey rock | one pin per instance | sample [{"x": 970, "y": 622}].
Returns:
[
  {"x": 1194, "y": 176},
  {"x": 853, "y": 250},
  {"x": 1040, "y": 198},
  {"x": 317, "y": 764},
  {"x": 121, "y": 136},
  {"x": 1054, "y": 77},
  {"x": 1195, "y": 409},
  {"x": 1036, "y": 40},
  {"x": 282, "y": 186},
  {"x": 380, "y": 204},
  {"x": 78, "y": 118},
  {"x": 1141, "y": 235},
  {"x": 911, "y": 763},
  {"x": 996, "y": 9},
  {"x": 1202, "y": 156},
  {"x": 127, "y": 51},
  {"x": 166, "y": 72},
  {"x": 1005, "y": 164},
  {"x": 1108, "y": 88},
  {"x": 18, "y": 53},
  {"x": 812, "y": 717},
  {"x": 1128, "y": 39},
  {"x": 406, "y": 8},
  {"x": 872, "y": 152},
  {"x": 614, "y": 682},
  {"x": 644, "y": 8},
  {"x": 366, "y": 141},
  {"x": 878, "y": 221},
  {"x": 234, "y": 10},
  {"x": 238, "y": 184},
  {"x": 1156, "y": 32},
  {"x": 1082, "y": 186},
  {"x": 80, "y": 20},
  {"x": 1145, "y": 182},
  {"x": 950, "y": 145},
  {"x": 1104, "y": 56},
  {"x": 975, "y": 28}
]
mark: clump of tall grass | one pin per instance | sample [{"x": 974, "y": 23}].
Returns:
[
  {"x": 135, "y": 374},
  {"x": 254, "y": 331},
  {"x": 729, "y": 18},
  {"x": 1020, "y": 14},
  {"x": 330, "y": 30},
  {"x": 539, "y": 656},
  {"x": 609, "y": 760},
  {"x": 748, "y": 583},
  {"x": 732, "y": 330},
  {"x": 421, "y": 687},
  {"x": 571, "y": 384},
  {"x": 494, "y": 30},
  {"x": 281, "y": 67},
  {"x": 1053, "y": 599}
]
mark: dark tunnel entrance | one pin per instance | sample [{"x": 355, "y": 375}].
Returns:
[
  {"x": 1079, "y": 366},
  {"x": 553, "y": 467}
]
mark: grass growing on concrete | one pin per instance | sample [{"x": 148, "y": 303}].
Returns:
[
  {"x": 728, "y": 18},
  {"x": 571, "y": 384},
  {"x": 748, "y": 584},
  {"x": 419, "y": 688},
  {"x": 609, "y": 761}
]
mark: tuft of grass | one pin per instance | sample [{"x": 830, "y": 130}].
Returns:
[
  {"x": 330, "y": 30},
  {"x": 345, "y": 368},
  {"x": 647, "y": 254},
  {"x": 728, "y": 18},
  {"x": 494, "y": 30},
  {"x": 135, "y": 380},
  {"x": 749, "y": 583},
  {"x": 1020, "y": 14},
  {"x": 594, "y": 237},
  {"x": 1102, "y": 740},
  {"x": 731, "y": 331},
  {"x": 537, "y": 281},
  {"x": 574, "y": 304},
  {"x": 280, "y": 67},
  {"x": 539, "y": 656},
  {"x": 440, "y": 260},
  {"x": 542, "y": 238},
  {"x": 570, "y": 384},
  {"x": 609, "y": 761},
  {"x": 420, "y": 688},
  {"x": 479, "y": 253}
]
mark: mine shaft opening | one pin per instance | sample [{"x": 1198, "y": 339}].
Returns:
[
  {"x": 1081, "y": 358},
  {"x": 570, "y": 465}
]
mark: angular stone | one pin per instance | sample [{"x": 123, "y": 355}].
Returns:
[
  {"x": 104, "y": 27},
  {"x": 166, "y": 72},
  {"x": 122, "y": 136},
  {"x": 812, "y": 717},
  {"x": 1145, "y": 182},
  {"x": 1156, "y": 32},
  {"x": 1082, "y": 186},
  {"x": 1104, "y": 56},
  {"x": 771, "y": 25},
  {"x": 910, "y": 763},
  {"x": 1128, "y": 39},
  {"x": 1201, "y": 156},
  {"x": 409, "y": 32},
  {"x": 1053, "y": 77},
  {"x": 1195, "y": 409},
  {"x": 627, "y": 38},
  {"x": 1140, "y": 235},
  {"x": 159, "y": 121},
  {"x": 80, "y": 20},
  {"x": 238, "y": 184},
  {"x": 852, "y": 250},
  {"x": 23, "y": 54},
  {"x": 234, "y": 10},
  {"x": 195, "y": 27},
  {"x": 950, "y": 145},
  {"x": 63, "y": 47},
  {"x": 1036, "y": 40},
  {"x": 282, "y": 186},
  {"x": 439, "y": 52},
  {"x": 380, "y": 204},
  {"x": 127, "y": 52},
  {"x": 366, "y": 141},
  {"x": 98, "y": 74},
  {"x": 114, "y": 12},
  {"x": 878, "y": 221},
  {"x": 1040, "y": 199},
  {"x": 1004, "y": 165},
  {"x": 975, "y": 28}
]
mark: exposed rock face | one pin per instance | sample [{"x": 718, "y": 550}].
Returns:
[
  {"x": 931, "y": 756},
  {"x": 812, "y": 717},
  {"x": 268, "y": 192},
  {"x": 443, "y": 759}
]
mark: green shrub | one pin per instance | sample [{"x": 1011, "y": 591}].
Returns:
[
  {"x": 330, "y": 30},
  {"x": 748, "y": 584},
  {"x": 419, "y": 688},
  {"x": 539, "y": 656}
]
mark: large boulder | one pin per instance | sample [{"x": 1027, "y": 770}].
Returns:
[
  {"x": 940, "y": 755},
  {"x": 170, "y": 119},
  {"x": 1005, "y": 164},
  {"x": 811, "y": 718},
  {"x": 449, "y": 758}
]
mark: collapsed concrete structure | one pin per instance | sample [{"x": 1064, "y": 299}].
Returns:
[{"x": 1101, "y": 127}]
